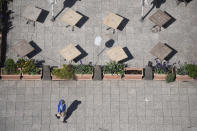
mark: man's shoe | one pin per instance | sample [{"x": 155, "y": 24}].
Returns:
[
  {"x": 58, "y": 117},
  {"x": 64, "y": 121}
]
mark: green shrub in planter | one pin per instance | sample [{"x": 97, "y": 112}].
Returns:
[
  {"x": 28, "y": 67},
  {"x": 83, "y": 69},
  {"x": 181, "y": 70},
  {"x": 170, "y": 77},
  {"x": 114, "y": 68},
  {"x": 66, "y": 72},
  {"x": 192, "y": 70},
  {"x": 10, "y": 67}
]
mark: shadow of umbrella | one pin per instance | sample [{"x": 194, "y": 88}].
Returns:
[
  {"x": 72, "y": 108},
  {"x": 108, "y": 44}
]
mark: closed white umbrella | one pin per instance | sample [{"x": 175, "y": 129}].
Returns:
[{"x": 97, "y": 41}]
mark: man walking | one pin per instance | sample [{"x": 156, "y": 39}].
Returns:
[{"x": 61, "y": 110}]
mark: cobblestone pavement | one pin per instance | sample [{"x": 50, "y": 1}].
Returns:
[
  {"x": 136, "y": 36},
  {"x": 105, "y": 105}
]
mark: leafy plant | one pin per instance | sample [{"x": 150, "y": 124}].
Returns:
[
  {"x": 162, "y": 68},
  {"x": 28, "y": 67},
  {"x": 114, "y": 68},
  {"x": 181, "y": 69},
  {"x": 20, "y": 63},
  {"x": 83, "y": 69},
  {"x": 170, "y": 77},
  {"x": 10, "y": 67},
  {"x": 66, "y": 72},
  {"x": 192, "y": 70}
]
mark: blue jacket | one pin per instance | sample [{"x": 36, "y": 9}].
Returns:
[{"x": 61, "y": 107}]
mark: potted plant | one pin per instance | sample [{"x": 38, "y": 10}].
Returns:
[
  {"x": 83, "y": 72},
  {"x": 133, "y": 73},
  {"x": 182, "y": 73},
  {"x": 10, "y": 71},
  {"x": 170, "y": 77},
  {"x": 64, "y": 73},
  {"x": 161, "y": 70},
  {"x": 29, "y": 69},
  {"x": 192, "y": 70},
  {"x": 113, "y": 71}
]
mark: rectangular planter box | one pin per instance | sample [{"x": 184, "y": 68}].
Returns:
[
  {"x": 56, "y": 78},
  {"x": 159, "y": 76},
  {"x": 111, "y": 77},
  {"x": 83, "y": 76},
  {"x": 10, "y": 77},
  {"x": 183, "y": 78},
  {"x": 133, "y": 76},
  {"x": 32, "y": 77}
]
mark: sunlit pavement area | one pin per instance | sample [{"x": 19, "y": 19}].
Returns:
[{"x": 105, "y": 105}]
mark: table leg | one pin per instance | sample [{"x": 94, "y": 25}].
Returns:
[
  {"x": 72, "y": 28},
  {"x": 27, "y": 22},
  {"x": 67, "y": 26},
  {"x": 113, "y": 31},
  {"x": 108, "y": 28}
]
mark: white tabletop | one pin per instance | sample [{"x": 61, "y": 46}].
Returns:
[
  {"x": 31, "y": 13},
  {"x": 71, "y": 17},
  {"x": 70, "y": 52},
  {"x": 116, "y": 54},
  {"x": 112, "y": 20}
]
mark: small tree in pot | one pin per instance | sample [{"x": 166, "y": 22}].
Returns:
[
  {"x": 29, "y": 69},
  {"x": 113, "y": 70},
  {"x": 10, "y": 71},
  {"x": 64, "y": 73}
]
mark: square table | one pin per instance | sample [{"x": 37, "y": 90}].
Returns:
[
  {"x": 70, "y": 52},
  {"x": 71, "y": 17},
  {"x": 159, "y": 18},
  {"x": 161, "y": 51},
  {"x": 22, "y": 48},
  {"x": 31, "y": 13},
  {"x": 116, "y": 54},
  {"x": 112, "y": 20}
]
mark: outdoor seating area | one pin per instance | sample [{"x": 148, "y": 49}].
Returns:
[{"x": 42, "y": 44}]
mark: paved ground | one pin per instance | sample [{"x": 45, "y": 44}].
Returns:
[
  {"x": 105, "y": 105},
  {"x": 136, "y": 36}
]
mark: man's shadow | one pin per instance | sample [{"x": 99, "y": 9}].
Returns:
[
  {"x": 71, "y": 108},
  {"x": 155, "y": 3},
  {"x": 67, "y": 3}
]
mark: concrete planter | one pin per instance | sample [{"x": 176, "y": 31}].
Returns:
[
  {"x": 10, "y": 76},
  {"x": 32, "y": 77},
  {"x": 83, "y": 76},
  {"x": 130, "y": 76},
  {"x": 183, "y": 78},
  {"x": 160, "y": 76},
  {"x": 111, "y": 77}
]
